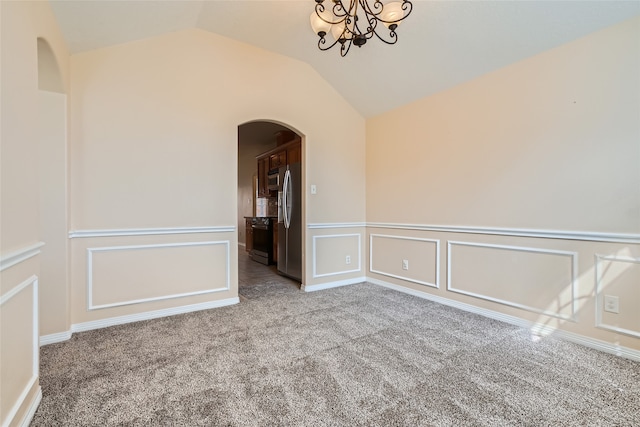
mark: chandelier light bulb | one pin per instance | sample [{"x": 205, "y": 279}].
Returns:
[
  {"x": 319, "y": 26},
  {"x": 392, "y": 14},
  {"x": 337, "y": 31}
]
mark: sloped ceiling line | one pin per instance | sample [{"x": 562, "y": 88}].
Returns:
[{"x": 442, "y": 43}]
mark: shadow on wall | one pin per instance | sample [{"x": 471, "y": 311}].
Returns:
[
  {"x": 49, "y": 77},
  {"x": 613, "y": 273},
  {"x": 53, "y": 191}
]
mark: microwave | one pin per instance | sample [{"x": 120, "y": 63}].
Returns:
[{"x": 273, "y": 180}]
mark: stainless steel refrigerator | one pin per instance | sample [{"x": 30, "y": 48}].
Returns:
[{"x": 290, "y": 221}]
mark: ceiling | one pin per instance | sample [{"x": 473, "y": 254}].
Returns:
[
  {"x": 261, "y": 132},
  {"x": 442, "y": 43}
]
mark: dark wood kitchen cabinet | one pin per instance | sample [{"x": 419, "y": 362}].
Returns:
[
  {"x": 284, "y": 136},
  {"x": 294, "y": 153},
  {"x": 275, "y": 241},
  {"x": 248, "y": 234},
  {"x": 285, "y": 154},
  {"x": 278, "y": 159},
  {"x": 263, "y": 171}
]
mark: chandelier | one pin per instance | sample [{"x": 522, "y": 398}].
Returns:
[{"x": 356, "y": 21}]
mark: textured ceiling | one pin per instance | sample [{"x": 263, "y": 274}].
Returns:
[{"x": 442, "y": 43}]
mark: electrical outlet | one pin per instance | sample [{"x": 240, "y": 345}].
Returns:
[
  {"x": 348, "y": 259},
  {"x": 405, "y": 264},
  {"x": 611, "y": 304}
]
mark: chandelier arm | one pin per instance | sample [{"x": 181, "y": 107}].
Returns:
[
  {"x": 377, "y": 4},
  {"x": 322, "y": 41},
  {"x": 320, "y": 10},
  {"x": 356, "y": 28},
  {"x": 339, "y": 10},
  {"x": 371, "y": 29},
  {"x": 406, "y": 4},
  {"x": 392, "y": 35},
  {"x": 353, "y": 7},
  {"x": 344, "y": 50},
  {"x": 346, "y": 33},
  {"x": 353, "y": 19},
  {"x": 371, "y": 16}
]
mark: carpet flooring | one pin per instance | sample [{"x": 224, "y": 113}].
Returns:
[{"x": 359, "y": 355}]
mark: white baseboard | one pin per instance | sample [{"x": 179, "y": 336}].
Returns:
[
  {"x": 33, "y": 407},
  {"x": 120, "y": 320},
  {"x": 329, "y": 285},
  {"x": 148, "y": 315},
  {"x": 535, "y": 327},
  {"x": 604, "y": 346},
  {"x": 54, "y": 338}
]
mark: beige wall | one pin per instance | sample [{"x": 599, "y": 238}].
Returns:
[
  {"x": 53, "y": 204},
  {"x": 551, "y": 143},
  {"x": 154, "y": 130},
  {"x": 22, "y": 24},
  {"x": 154, "y": 145}
]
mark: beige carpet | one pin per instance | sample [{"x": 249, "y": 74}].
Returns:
[{"x": 359, "y": 355}]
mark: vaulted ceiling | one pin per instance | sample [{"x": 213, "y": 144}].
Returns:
[{"x": 442, "y": 43}]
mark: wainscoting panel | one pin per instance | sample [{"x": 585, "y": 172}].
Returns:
[
  {"x": 387, "y": 253},
  {"x": 19, "y": 351},
  {"x": 618, "y": 276},
  {"x": 330, "y": 254},
  {"x": 133, "y": 274},
  {"x": 533, "y": 279}
]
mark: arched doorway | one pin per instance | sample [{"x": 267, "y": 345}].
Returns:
[
  {"x": 270, "y": 223},
  {"x": 53, "y": 196}
]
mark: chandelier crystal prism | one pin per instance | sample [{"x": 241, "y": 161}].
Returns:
[{"x": 356, "y": 21}]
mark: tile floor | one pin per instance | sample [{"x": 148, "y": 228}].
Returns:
[{"x": 253, "y": 276}]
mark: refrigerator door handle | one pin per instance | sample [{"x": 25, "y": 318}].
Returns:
[
  {"x": 286, "y": 193},
  {"x": 283, "y": 199}
]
